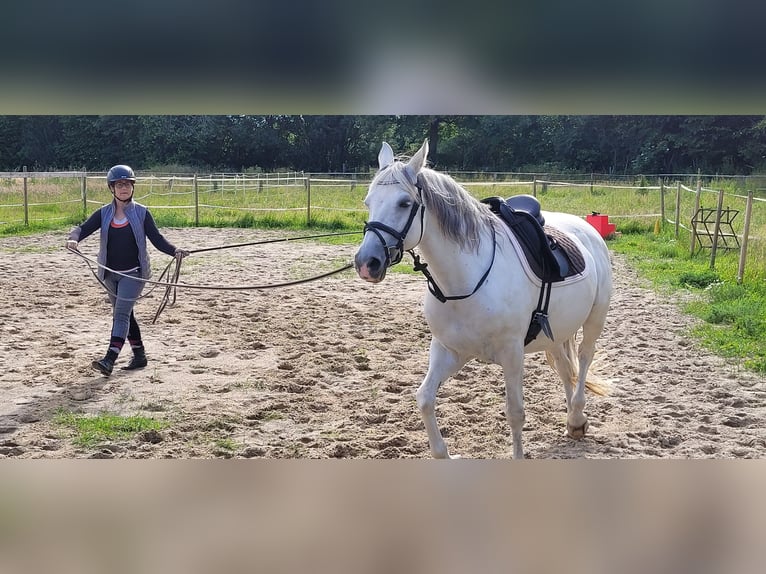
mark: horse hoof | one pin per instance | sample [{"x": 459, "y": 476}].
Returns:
[{"x": 577, "y": 432}]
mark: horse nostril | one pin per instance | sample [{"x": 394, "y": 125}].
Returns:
[{"x": 374, "y": 264}]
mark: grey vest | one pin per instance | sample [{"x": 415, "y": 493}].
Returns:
[{"x": 136, "y": 213}]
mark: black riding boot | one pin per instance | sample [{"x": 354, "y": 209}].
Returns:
[
  {"x": 138, "y": 361},
  {"x": 105, "y": 365}
]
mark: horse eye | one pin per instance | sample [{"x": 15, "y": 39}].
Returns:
[{"x": 405, "y": 203}]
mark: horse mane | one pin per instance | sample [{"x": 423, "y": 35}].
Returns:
[{"x": 461, "y": 216}]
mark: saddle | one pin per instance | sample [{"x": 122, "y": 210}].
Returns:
[{"x": 551, "y": 255}]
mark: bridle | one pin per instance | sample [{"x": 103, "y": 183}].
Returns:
[
  {"x": 398, "y": 250},
  {"x": 394, "y": 253}
]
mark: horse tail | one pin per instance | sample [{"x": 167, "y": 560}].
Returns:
[{"x": 595, "y": 384}]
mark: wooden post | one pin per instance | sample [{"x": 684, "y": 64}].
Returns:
[
  {"x": 26, "y": 201},
  {"x": 534, "y": 187},
  {"x": 591, "y": 183},
  {"x": 678, "y": 206},
  {"x": 307, "y": 183},
  {"x": 696, "y": 208},
  {"x": 745, "y": 233},
  {"x": 662, "y": 204},
  {"x": 716, "y": 229},
  {"x": 196, "y": 202},
  {"x": 84, "y": 193}
]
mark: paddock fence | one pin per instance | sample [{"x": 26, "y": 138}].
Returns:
[{"x": 708, "y": 213}]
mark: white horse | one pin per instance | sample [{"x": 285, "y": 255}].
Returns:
[{"x": 489, "y": 293}]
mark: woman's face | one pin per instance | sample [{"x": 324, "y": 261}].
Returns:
[{"x": 123, "y": 189}]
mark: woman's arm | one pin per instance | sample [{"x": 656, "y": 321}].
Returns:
[
  {"x": 80, "y": 232},
  {"x": 154, "y": 235}
]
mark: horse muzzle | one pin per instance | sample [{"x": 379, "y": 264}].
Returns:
[{"x": 370, "y": 268}]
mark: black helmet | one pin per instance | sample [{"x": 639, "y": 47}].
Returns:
[{"x": 120, "y": 172}]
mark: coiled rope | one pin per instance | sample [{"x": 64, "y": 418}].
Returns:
[{"x": 171, "y": 276}]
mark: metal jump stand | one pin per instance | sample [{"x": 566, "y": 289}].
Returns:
[{"x": 712, "y": 232}]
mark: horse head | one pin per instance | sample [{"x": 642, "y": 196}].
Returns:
[{"x": 394, "y": 201}]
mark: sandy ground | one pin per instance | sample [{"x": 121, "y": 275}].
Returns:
[{"x": 329, "y": 369}]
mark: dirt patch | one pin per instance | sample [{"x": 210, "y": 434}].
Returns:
[{"x": 329, "y": 369}]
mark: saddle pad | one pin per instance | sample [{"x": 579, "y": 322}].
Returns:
[
  {"x": 571, "y": 251},
  {"x": 549, "y": 252}
]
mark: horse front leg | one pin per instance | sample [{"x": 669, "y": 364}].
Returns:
[
  {"x": 513, "y": 371},
  {"x": 442, "y": 364}
]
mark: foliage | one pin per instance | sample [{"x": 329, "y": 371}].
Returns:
[{"x": 238, "y": 143}]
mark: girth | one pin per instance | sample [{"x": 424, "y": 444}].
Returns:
[{"x": 551, "y": 254}]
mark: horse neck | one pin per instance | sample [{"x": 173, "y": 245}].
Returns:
[{"x": 454, "y": 267}]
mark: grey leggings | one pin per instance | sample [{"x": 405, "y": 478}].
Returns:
[{"x": 123, "y": 293}]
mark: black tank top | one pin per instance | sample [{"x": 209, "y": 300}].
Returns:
[{"x": 121, "y": 247}]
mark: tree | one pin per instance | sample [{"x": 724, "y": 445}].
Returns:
[{"x": 602, "y": 144}]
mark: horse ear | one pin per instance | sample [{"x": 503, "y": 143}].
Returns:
[
  {"x": 417, "y": 162},
  {"x": 386, "y": 156}
]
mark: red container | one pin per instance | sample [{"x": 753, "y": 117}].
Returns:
[{"x": 601, "y": 223}]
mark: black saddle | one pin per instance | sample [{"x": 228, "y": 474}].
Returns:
[
  {"x": 547, "y": 251},
  {"x": 522, "y": 214}
]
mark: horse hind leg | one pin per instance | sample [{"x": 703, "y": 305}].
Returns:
[
  {"x": 563, "y": 360},
  {"x": 442, "y": 364},
  {"x": 591, "y": 331}
]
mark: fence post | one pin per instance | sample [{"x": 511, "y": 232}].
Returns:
[
  {"x": 716, "y": 229},
  {"x": 662, "y": 203},
  {"x": 307, "y": 183},
  {"x": 84, "y": 193},
  {"x": 26, "y": 202},
  {"x": 678, "y": 206},
  {"x": 696, "y": 208},
  {"x": 745, "y": 233},
  {"x": 534, "y": 186},
  {"x": 196, "y": 202}
]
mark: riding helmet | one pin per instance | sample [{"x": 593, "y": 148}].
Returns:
[{"x": 120, "y": 172}]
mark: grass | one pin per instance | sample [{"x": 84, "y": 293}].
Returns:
[
  {"x": 733, "y": 315},
  {"x": 224, "y": 446},
  {"x": 92, "y": 430}
]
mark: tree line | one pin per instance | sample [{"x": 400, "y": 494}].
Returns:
[{"x": 337, "y": 143}]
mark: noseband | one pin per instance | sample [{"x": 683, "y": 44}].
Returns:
[{"x": 398, "y": 250}]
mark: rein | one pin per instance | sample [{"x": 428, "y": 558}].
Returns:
[
  {"x": 434, "y": 288},
  {"x": 171, "y": 282}
]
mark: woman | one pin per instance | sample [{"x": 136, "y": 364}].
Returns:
[{"x": 124, "y": 226}]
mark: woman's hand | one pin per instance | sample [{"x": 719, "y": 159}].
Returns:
[
  {"x": 181, "y": 253},
  {"x": 71, "y": 244}
]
